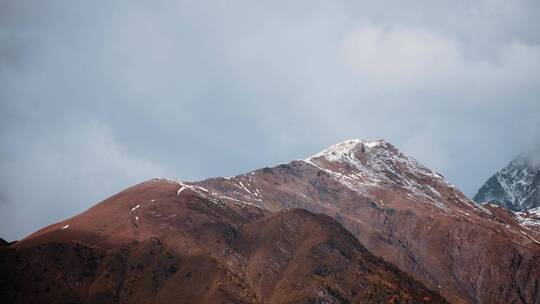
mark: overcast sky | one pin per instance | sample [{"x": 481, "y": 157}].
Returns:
[{"x": 96, "y": 96}]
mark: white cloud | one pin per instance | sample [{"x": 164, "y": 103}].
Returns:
[
  {"x": 400, "y": 58},
  {"x": 418, "y": 59}
]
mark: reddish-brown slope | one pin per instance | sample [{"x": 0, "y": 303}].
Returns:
[
  {"x": 405, "y": 213},
  {"x": 164, "y": 242}
]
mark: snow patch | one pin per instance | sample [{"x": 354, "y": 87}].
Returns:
[
  {"x": 344, "y": 149},
  {"x": 180, "y": 190},
  {"x": 529, "y": 218}
]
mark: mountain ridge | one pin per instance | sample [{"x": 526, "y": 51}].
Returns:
[
  {"x": 398, "y": 209},
  {"x": 403, "y": 212},
  {"x": 162, "y": 242}
]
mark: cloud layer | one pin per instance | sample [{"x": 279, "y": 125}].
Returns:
[{"x": 98, "y": 96}]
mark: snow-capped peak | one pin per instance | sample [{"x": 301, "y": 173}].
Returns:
[
  {"x": 367, "y": 166},
  {"x": 379, "y": 157},
  {"x": 516, "y": 186},
  {"x": 346, "y": 149}
]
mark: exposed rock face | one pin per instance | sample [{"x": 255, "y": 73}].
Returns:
[
  {"x": 168, "y": 242},
  {"x": 407, "y": 214},
  {"x": 516, "y": 186},
  {"x": 4, "y": 243}
]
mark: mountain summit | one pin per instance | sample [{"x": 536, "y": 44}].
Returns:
[
  {"x": 516, "y": 186},
  {"x": 367, "y": 166},
  {"x": 164, "y": 241},
  {"x": 407, "y": 214},
  {"x": 309, "y": 231}
]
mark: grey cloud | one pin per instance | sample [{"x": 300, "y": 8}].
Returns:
[{"x": 98, "y": 96}]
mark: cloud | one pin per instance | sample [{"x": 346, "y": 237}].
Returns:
[
  {"x": 418, "y": 59},
  {"x": 401, "y": 58},
  {"x": 69, "y": 172}
]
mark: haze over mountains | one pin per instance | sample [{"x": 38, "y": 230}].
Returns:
[{"x": 309, "y": 231}]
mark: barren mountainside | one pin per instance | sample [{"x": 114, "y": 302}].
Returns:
[
  {"x": 407, "y": 214},
  {"x": 359, "y": 222},
  {"x": 161, "y": 242}
]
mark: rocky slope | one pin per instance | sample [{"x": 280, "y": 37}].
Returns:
[
  {"x": 516, "y": 186},
  {"x": 407, "y": 214},
  {"x": 164, "y": 241}
]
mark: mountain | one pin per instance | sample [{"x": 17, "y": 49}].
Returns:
[
  {"x": 275, "y": 235},
  {"x": 405, "y": 213},
  {"x": 164, "y": 241},
  {"x": 516, "y": 186}
]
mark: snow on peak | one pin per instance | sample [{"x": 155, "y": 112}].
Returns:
[
  {"x": 367, "y": 166},
  {"x": 376, "y": 158},
  {"x": 345, "y": 149},
  {"x": 516, "y": 186}
]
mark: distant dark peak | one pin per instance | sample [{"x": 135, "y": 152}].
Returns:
[{"x": 516, "y": 186}]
